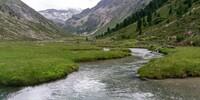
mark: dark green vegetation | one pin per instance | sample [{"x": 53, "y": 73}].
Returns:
[
  {"x": 181, "y": 62},
  {"x": 31, "y": 63}
]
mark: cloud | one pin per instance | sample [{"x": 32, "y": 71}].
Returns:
[{"x": 60, "y": 4}]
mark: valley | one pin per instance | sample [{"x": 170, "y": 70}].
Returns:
[{"x": 116, "y": 50}]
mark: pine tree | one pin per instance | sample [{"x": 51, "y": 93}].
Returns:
[
  {"x": 189, "y": 3},
  {"x": 149, "y": 19},
  {"x": 170, "y": 10},
  {"x": 144, "y": 21},
  {"x": 108, "y": 30},
  {"x": 180, "y": 10},
  {"x": 139, "y": 26}
]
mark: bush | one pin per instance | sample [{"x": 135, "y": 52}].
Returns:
[
  {"x": 180, "y": 37},
  {"x": 196, "y": 41}
]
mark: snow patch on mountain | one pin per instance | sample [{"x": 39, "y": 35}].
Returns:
[{"x": 59, "y": 16}]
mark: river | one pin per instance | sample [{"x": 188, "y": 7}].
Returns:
[{"x": 109, "y": 80}]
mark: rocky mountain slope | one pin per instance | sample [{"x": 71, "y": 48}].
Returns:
[
  {"x": 20, "y": 22},
  {"x": 174, "y": 23},
  {"x": 106, "y": 12},
  {"x": 59, "y": 16}
]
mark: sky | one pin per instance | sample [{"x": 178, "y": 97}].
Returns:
[{"x": 60, "y": 4}]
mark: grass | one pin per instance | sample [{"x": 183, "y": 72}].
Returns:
[
  {"x": 83, "y": 56},
  {"x": 181, "y": 62},
  {"x": 128, "y": 43},
  {"x": 32, "y": 63}
]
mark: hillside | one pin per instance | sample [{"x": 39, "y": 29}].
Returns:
[
  {"x": 175, "y": 22},
  {"x": 59, "y": 16},
  {"x": 106, "y": 12},
  {"x": 20, "y": 22}
]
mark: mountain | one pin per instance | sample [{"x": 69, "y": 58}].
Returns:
[
  {"x": 20, "y": 22},
  {"x": 105, "y": 13},
  {"x": 162, "y": 22},
  {"x": 59, "y": 16}
]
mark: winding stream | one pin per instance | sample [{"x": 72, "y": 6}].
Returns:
[{"x": 109, "y": 80}]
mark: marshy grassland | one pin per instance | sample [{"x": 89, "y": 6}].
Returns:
[
  {"x": 32, "y": 63},
  {"x": 181, "y": 62}
]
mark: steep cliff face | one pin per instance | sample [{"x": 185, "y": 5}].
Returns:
[
  {"x": 59, "y": 16},
  {"x": 20, "y": 22},
  {"x": 105, "y": 12}
]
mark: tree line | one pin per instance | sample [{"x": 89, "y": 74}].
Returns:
[
  {"x": 136, "y": 17},
  {"x": 144, "y": 17}
]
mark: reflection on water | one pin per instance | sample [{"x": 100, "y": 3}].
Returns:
[{"x": 109, "y": 80}]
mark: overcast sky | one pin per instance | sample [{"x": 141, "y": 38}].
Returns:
[{"x": 60, "y": 4}]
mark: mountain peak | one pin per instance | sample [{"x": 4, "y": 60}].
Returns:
[
  {"x": 59, "y": 16},
  {"x": 104, "y": 13}
]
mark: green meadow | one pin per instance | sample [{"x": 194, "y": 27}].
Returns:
[
  {"x": 181, "y": 62},
  {"x": 32, "y": 63}
]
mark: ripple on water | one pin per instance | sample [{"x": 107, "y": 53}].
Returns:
[
  {"x": 88, "y": 85},
  {"x": 143, "y": 96},
  {"x": 31, "y": 94}
]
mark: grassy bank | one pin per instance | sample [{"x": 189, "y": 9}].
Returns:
[
  {"x": 181, "y": 63},
  {"x": 31, "y": 63}
]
